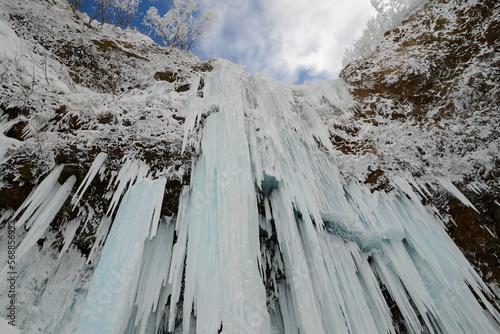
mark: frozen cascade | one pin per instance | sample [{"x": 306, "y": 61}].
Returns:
[
  {"x": 110, "y": 299},
  {"x": 223, "y": 283},
  {"x": 269, "y": 237},
  {"x": 339, "y": 243}
]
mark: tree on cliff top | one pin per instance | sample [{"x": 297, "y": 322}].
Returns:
[
  {"x": 179, "y": 27},
  {"x": 118, "y": 12}
]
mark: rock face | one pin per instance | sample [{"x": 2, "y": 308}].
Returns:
[
  {"x": 435, "y": 81},
  {"x": 74, "y": 91},
  {"x": 262, "y": 206}
]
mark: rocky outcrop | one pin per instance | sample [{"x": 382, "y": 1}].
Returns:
[
  {"x": 429, "y": 103},
  {"x": 71, "y": 91}
]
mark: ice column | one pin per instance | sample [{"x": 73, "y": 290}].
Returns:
[
  {"x": 109, "y": 301},
  {"x": 223, "y": 283}
]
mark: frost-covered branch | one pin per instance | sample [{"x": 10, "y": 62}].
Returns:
[
  {"x": 179, "y": 27},
  {"x": 390, "y": 13},
  {"x": 78, "y": 5},
  {"x": 118, "y": 12}
]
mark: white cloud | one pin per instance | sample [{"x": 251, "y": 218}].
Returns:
[{"x": 285, "y": 38}]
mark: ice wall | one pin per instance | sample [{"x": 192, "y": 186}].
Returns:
[
  {"x": 269, "y": 238},
  {"x": 339, "y": 247},
  {"x": 110, "y": 300},
  {"x": 222, "y": 284}
]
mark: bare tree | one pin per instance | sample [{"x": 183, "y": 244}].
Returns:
[
  {"x": 118, "y": 12},
  {"x": 78, "y": 5},
  {"x": 179, "y": 27}
]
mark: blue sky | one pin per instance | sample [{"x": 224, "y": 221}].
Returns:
[
  {"x": 290, "y": 40},
  {"x": 287, "y": 39}
]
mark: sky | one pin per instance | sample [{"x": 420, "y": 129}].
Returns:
[{"x": 289, "y": 40}]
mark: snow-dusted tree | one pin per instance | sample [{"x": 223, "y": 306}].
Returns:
[
  {"x": 78, "y": 5},
  {"x": 118, "y": 12},
  {"x": 390, "y": 13},
  {"x": 123, "y": 12},
  {"x": 179, "y": 27}
]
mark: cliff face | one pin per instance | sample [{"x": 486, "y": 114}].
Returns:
[
  {"x": 429, "y": 104},
  {"x": 71, "y": 91},
  {"x": 198, "y": 198}
]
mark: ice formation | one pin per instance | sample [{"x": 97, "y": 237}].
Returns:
[
  {"x": 41, "y": 208},
  {"x": 109, "y": 301},
  {"x": 96, "y": 166},
  {"x": 269, "y": 236}
]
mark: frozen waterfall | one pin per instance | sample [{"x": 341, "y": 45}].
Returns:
[{"x": 269, "y": 237}]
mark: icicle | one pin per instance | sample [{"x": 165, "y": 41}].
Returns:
[
  {"x": 96, "y": 165},
  {"x": 178, "y": 257},
  {"x": 47, "y": 212},
  {"x": 37, "y": 197},
  {"x": 6, "y": 215},
  {"x": 109, "y": 302},
  {"x": 69, "y": 234},
  {"x": 132, "y": 170},
  {"x": 154, "y": 278},
  {"x": 446, "y": 183},
  {"x": 265, "y": 169},
  {"x": 42, "y": 206},
  {"x": 100, "y": 236}
]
